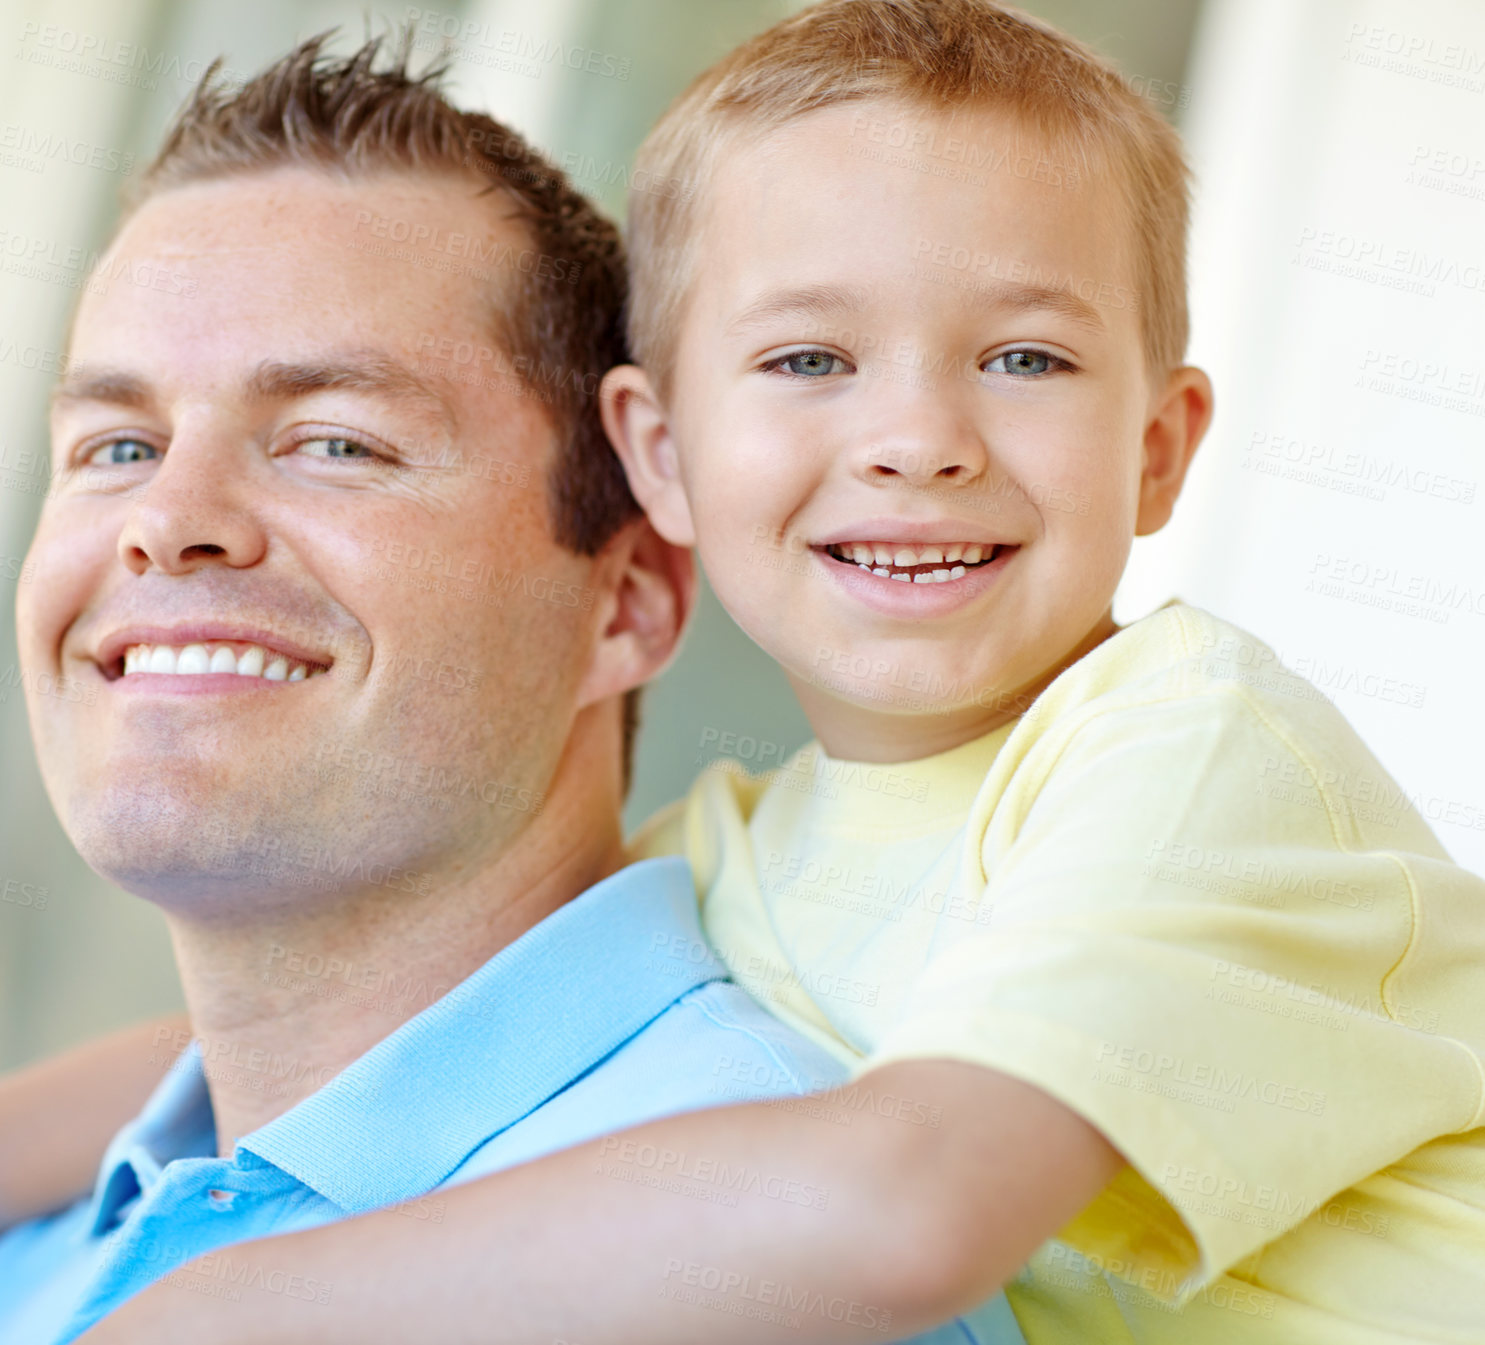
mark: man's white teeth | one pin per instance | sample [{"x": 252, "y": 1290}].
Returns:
[
  {"x": 888, "y": 562},
  {"x": 195, "y": 659}
]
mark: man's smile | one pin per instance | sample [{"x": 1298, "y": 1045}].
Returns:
[
  {"x": 196, "y": 660},
  {"x": 212, "y": 651}
]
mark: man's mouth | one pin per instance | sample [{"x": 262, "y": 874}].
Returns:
[
  {"x": 215, "y": 656},
  {"x": 933, "y": 564}
]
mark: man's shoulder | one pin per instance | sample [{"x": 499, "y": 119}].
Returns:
[
  {"x": 712, "y": 1045},
  {"x": 753, "y": 1054}
]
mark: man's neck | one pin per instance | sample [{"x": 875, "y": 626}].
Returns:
[{"x": 282, "y": 1005}]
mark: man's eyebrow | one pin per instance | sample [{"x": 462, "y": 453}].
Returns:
[
  {"x": 363, "y": 371},
  {"x": 810, "y": 301},
  {"x": 115, "y": 386},
  {"x": 1022, "y": 298}
]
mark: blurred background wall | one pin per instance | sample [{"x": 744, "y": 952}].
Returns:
[{"x": 1339, "y": 302}]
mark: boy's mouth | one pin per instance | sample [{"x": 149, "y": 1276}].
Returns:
[{"x": 915, "y": 564}]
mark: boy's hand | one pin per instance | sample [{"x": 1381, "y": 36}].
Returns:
[{"x": 910, "y": 1221}]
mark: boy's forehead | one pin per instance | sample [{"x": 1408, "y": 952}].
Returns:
[{"x": 964, "y": 195}]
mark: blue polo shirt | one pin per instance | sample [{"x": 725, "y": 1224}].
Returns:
[{"x": 611, "y": 1012}]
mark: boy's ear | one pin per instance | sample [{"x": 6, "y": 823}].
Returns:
[
  {"x": 637, "y": 427},
  {"x": 1180, "y": 419}
]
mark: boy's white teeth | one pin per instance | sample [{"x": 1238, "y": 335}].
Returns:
[
  {"x": 213, "y": 657},
  {"x": 890, "y": 560}
]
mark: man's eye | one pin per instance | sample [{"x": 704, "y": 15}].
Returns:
[
  {"x": 117, "y": 451},
  {"x": 1025, "y": 363},
  {"x": 809, "y": 364},
  {"x": 338, "y": 448}
]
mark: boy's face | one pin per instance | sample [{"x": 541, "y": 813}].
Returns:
[{"x": 927, "y": 358}]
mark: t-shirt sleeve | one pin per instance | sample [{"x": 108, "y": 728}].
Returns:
[{"x": 1197, "y": 944}]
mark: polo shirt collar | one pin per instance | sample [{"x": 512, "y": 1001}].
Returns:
[
  {"x": 176, "y": 1122},
  {"x": 542, "y": 1012}
]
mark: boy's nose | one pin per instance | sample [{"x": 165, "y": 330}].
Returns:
[
  {"x": 928, "y": 445},
  {"x": 915, "y": 462}
]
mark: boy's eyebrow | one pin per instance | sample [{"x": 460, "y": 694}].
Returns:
[
  {"x": 1021, "y": 298},
  {"x": 827, "y": 301},
  {"x": 809, "y": 301}
]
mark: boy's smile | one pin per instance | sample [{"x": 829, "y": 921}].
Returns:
[{"x": 913, "y": 423}]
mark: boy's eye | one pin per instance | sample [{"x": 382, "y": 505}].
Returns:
[
  {"x": 809, "y": 364},
  {"x": 1025, "y": 363},
  {"x": 117, "y": 451}
]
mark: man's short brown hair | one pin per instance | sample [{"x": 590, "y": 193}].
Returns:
[
  {"x": 564, "y": 328},
  {"x": 933, "y": 54}
]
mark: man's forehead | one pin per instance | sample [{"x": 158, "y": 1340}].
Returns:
[
  {"x": 281, "y": 197},
  {"x": 422, "y": 242},
  {"x": 229, "y": 277}
]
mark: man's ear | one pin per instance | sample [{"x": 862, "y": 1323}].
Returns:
[
  {"x": 636, "y": 425},
  {"x": 646, "y": 589},
  {"x": 1180, "y": 419}
]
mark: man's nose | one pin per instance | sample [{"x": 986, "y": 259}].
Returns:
[
  {"x": 924, "y": 436},
  {"x": 193, "y": 510}
]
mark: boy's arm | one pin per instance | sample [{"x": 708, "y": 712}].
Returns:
[
  {"x": 57, "y": 1116},
  {"x": 919, "y": 1223}
]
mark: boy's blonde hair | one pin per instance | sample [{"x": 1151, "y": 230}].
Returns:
[{"x": 931, "y": 53}]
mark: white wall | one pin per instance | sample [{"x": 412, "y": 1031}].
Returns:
[{"x": 1338, "y": 291}]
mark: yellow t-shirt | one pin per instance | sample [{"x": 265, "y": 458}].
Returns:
[{"x": 1179, "y": 895}]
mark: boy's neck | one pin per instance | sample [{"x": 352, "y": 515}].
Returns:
[{"x": 853, "y": 732}]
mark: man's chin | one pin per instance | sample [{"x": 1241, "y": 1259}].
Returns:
[{"x": 191, "y": 855}]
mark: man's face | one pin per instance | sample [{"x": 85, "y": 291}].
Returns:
[
  {"x": 260, "y": 470},
  {"x": 909, "y": 397}
]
